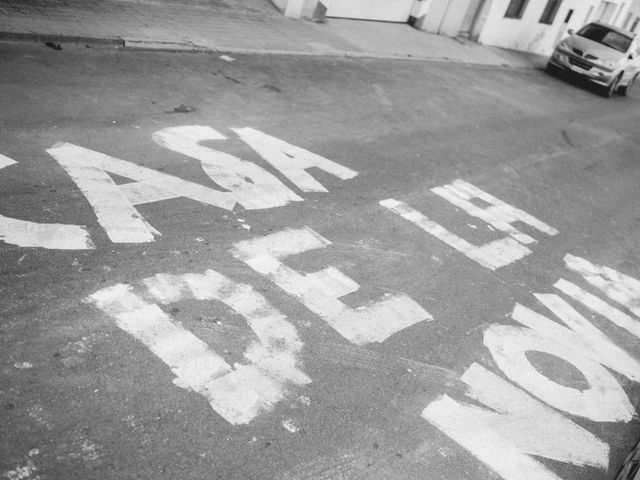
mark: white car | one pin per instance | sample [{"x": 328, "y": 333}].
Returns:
[{"x": 605, "y": 55}]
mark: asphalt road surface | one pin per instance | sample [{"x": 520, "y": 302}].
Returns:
[{"x": 313, "y": 268}]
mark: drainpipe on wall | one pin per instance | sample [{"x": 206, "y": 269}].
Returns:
[
  {"x": 477, "y": 23},
  {"x": 444, "y": 16}
]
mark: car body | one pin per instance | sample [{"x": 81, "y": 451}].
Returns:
[{"x": 605, "y": 55}]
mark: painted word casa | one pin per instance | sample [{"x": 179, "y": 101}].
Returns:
[{"x": 245, "y": 184}]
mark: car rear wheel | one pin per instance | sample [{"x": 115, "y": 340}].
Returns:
[
  {"x": 610, "y": 89},
  {"x": 624, "y": 91}
]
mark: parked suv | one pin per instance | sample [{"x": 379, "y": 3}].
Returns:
[{"x": 603, "y": 54}]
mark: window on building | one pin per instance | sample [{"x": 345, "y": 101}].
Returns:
[
  {"x": 549, "y": 13},
  {"x": 569, "y": 15},
  {"x": 516, "y": 8}
]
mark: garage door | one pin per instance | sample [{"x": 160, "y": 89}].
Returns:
[{"x": 385, "y": 10}]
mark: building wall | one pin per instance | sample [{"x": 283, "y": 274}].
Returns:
[
  {"x": 434, "y": 15},
  {"x": 632, "y": 19},
  {"x": 528, "y": 34},
  {"x": 489, "y": 25},
  {"x": 385, "y": 10},
  {"x": 445, "y": 16},
  {"x": 454, "y": 17},
  {"x": 296, "y": 8}
]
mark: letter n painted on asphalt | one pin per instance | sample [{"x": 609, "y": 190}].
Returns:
[
  {"x": 320, "y": 291},
  {"x": 516, "y": 427}
]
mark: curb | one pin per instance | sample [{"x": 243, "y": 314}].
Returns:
[
  {"x": 356, "y": 55},
  {"x": 165, "y": 46},
  {"x": 59, "y": 38},
  {"x": 177, "y": 46},
  {"x": 168, "y": 46}
]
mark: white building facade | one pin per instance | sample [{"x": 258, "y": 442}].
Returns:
[
  {"x": 528, "y": 25},
  {"x": 632, "y": 20},
  {"x": 538, "y": 25}
]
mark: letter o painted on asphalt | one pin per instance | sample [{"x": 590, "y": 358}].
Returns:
[{"x": 603, "y": 401}]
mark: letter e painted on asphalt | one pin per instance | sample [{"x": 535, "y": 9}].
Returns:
[{"x": 320, "y": 291}]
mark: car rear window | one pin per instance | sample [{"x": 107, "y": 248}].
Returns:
[{"x": 606, "y": 36}]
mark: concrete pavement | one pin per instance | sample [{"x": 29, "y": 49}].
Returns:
[{"x": 248, "y": 26}]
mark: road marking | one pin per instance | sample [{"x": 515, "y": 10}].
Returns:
[
  {"x": 499, "y": 214},
  {"x": 238, "y": 393},
  {"x": 492, "y": 255},
  {"x": 581, "y": 335},
  {"x": 250, "y": 185},
  {"x": 617, "y": 286},
  {"x": 54, "y": 236},
  {"x": 382, "y": 95},
  {"x": 320, "y": 291},
  {"x": 518, "y": 426},
  {"x": 603, "y": 401},
  {"x": 114, "y": 204},
  {"x": 6, "y": 161},
  {"x": 293, "y": 161},
  {"x": 601, "y": 307},
  {"x": 500, "y": 444}
]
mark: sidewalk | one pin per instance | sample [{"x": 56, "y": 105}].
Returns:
[{"x": 240, "y": 26}]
